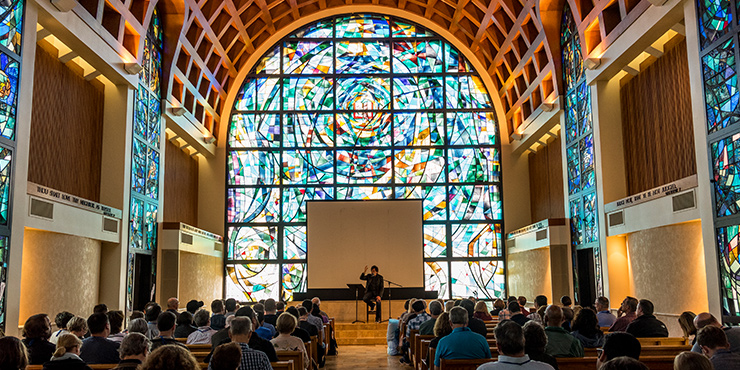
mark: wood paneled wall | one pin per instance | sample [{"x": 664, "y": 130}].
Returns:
[
  {"x": 656, "y": 123},
  {"x": 546, "y": 183},
  {"x": 66, "y": 129},
  {"x": 180, "y": 186}
]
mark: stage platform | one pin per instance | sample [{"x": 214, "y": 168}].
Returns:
[
  {"x": 361, "y": 334},
  {"x": 344, "y": 311}
]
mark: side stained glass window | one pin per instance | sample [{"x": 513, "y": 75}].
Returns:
[
  {"x": 145, "y": 154},
  {"x": 580, "y": 156},
  {"x": 363, "y": 107}
]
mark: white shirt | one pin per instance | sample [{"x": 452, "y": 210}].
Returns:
[
  {"x": 201, "y": 336},
  {"x": 519, "y": 363}
]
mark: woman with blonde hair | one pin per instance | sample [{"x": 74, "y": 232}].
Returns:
[
  {"x": 285, "y": 325},
  {"x": 692, "y": 361},
  {"x": 442, "y": 327},
  {"x": 171, "y": 357},
  {"x": 481, "y": 311},
  {"x": 686, "y": 321},
  {"x": 77, "y": 326},
  {"x": 67, "y": 355}
]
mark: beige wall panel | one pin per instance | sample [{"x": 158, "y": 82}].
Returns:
[
  {"x": 668, "y": 267},
  {"x": 529, "y": 274},
  {"x": 59, "y": 272},
  {"x": 201, "y": 278}
]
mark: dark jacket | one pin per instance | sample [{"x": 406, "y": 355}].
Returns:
[
  {"x": 39, "y": 350},
  {"x": 647, "y": 326},
  {"x": 310, "y": 328},
  {"x": 477, "y": 325},
  {"x": 218, "y": 321},
  {"x": 271, "y": 319},
  {"x": 374, "y": 283},
  {"x": 519, "y": 319},
  {"x": 128, "y": 365},
  {"x": 162, "y": 341},
  {"x": 66, "y": 364},
  {"x": 303, "y": 334},
  {"x": 182, "y": 331},
  {"x": 543, "y": 357},
  {"x": 255, "y": 342},
  {"x": 98, "y": 350}
]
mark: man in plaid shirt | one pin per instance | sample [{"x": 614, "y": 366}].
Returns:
[
  {"x": 414, "y": 324},
  {"x": 240, "y": 331}
]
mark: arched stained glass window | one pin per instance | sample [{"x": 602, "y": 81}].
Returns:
[
  {"x": 363, "y": 107},
  {"x": 579, "y": 142}
]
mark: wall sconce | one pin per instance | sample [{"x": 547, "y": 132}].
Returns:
[
  {"x": 592, "y": 63},
  {"x": 209, "y": 139},
  {"x": 178, "y": 111},
  {"x": 132, "y": 68},
  {"x": 516, "y": 136},
  {"x": 547, "y": 107}
]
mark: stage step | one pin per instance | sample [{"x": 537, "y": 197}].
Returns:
[{"x": 361, "y": 334}]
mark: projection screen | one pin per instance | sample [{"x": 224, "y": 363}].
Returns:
[{"x": 344, "y": 236}]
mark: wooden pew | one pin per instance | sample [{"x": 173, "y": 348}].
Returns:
[
  {"x": 463, "y": 364},
  {"x": 412, "y": 343},
  {"x": 589, "y": 363},
  {"x": 314, "y": 353},
  {"x": 283, "y": 365},
  {"x": 669, "y": 341},
  {"x": 200, "y": 351},
  {"x": 419, "y": 352},
  {"x": 424, "y": 354},
  {"x": 296, "y": 356},
  {"x": 648, "y": 351}
]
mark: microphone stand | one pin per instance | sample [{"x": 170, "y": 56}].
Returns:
[{"x": 390, "y": 316}]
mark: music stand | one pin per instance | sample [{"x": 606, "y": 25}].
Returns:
[
  {"x": 357, "y": 288},
  {"x": 390, "y": 316}
]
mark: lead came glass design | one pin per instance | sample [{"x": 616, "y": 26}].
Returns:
[
  {"x": 9, "y": 72},
  {"x": 726, "y": 158},
  {"x": 6, "y": 157},
  {"x": 729, "y": 264},
  {"x": 363, "y": 107},
  {"x": 715, "y": 19},
  {"x": 720, "y": 86}
]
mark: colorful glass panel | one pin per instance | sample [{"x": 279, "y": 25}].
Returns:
[
  {"x": 726, "y": 159},
  {"x": 419, "y": 165},
  {"x": 729, "y": 266},
  {"x": 9, "y": 73},
  {"x": 362, "y": 26},
  {"x": 364, "y": 193},
  {"x": 253, "y": 205},
  {"x": 476, "y": 240},
  {"x": 4, "y": 257},
  {"x": 715, "y": 19},
  {"x": 307, "y": 93},
  {"x": 417, "y": 129},
  {"x": 361, "y": 166},
  {"x": 6, "y": 157},
  {"x": 308, "y": 130},
  {"x": 136, "y": 224},
  {"x": 294, "y": 279},
  {"x": 11, "y": 26},
  {"x": 418, "y": 92},
  {"x": 254, "y": 167},
  {"x": 139, "y": 167},
  {"x": 436, "y": 277},
  {"x": 253, "y": 282},
  {"x": 254, "y": 130},
  {"x": 294, "y": 201},
  {"x": 303, "y": 57},
  {"x": 435, "y": 241},
  {"x": 472, "y": 128},
  {"x": 402, "y": 29},
  {"x": 480, "y": 279},
  {"x": 358, "y": 57},
  {"x": 152, "y": 176},
  {"x": 720, "y": 86},
  {"x": 150, "y": 228},
  {"x": 479, "y": 202},
  {"x": 417, "y": 57},
  {"x": 294, "y": 242},
  {"x": 252, "y": 243},
  {"x": 308, "y": 167},
  {"x": 363, "y": 129}
]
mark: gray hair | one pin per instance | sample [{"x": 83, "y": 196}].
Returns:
[
  {"x": 509, "y": 337},
  {"x": 134, "y": 344},
  {"x": 435, "y": 308},
  {"x": 229, "y": 320},
  {"x": 138, "y": 326},
  {"x": 459, "y": 315},
  {"x": 201, "y": 317},
  {"x": 448, "y": 305},
  {"x": 241, "y": 326}
]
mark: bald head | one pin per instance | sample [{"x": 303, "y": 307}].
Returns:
[
  {"x": 553, "y": 315},
  {"x": 173, "y": 303},
  {"x": 705, "y": 319}
]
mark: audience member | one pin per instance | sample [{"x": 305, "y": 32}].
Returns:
[
  {"x": 133, "y": 351},
  {"x": 100, "y": 308},
  {"x": 686, "y": 322},
  {"x": 285, "y": 341},
  {"x": 625, "y": 314},
  {"x": 314, "y": 319},
  {"x": 705, "y": 319},
  {"x": 255, "y": 342},
  {"x": 67, "y": 354},
  {"x": 586, "y": 329},
  {"x": 461, "y": 343},
  {"x": 435, "y": 309},
  {"x": 77, "y": 326},
  {"x": 36, "y": 334},
  {"x": 317, "y": 302},
  {"x": 218, "y": 320},
  {"x": 304, "y": 334},
  {"x": 193, "y": 306},
  {"x": 136, "y": 314},
  {"x": 535, "y": 341},
  {"x": 280, "y": 305},
  {"x": 480, "y": 311},
  {"x": 151, "y": 314},
  {"x": 420, "y": 316},
  {"x": 166, "y": 331},
  {"x": 516, "y": 314},
  {"x": 184, "y": 325},
  {"x": 559, "y": 342},
  {"x": 522, "y": 300},
  {"x": 448, "y": 305},
  {"x": 510, "y": 345},
  {"x": 623, "y": 363},
  {"x": 172, "y": 305},
  {"x": 203, "y": 334},
  {"x": 115, "y": 318},
  {"x": 226, "y": 357},
  {"x": 168, "y": 357},
  {"x": 13, "y": 355},
  {"x": 231, "y": 306},
  {"x": 539, "y": 302},
  {"x": 498, "y": 305},
  {"x": 259, "y": 308},
  {"x": 222, "y": 336},
  {"x": 568, "y": 313},
  {"x": 504, "y": 314},
  {"x": 61, "y": 321},
  {"x": 714, "y": 344},
  {"x": 442, "y": 327},
  {"x": 252, "y": 359},
  {"x": 606, "y": 318},
  {"x": 97, "y": 349},
  {"x": 474, "y": 324},
  {"x": 270, "y": 311},
  {"x": 262, "y": 330},
  {"x": 139, "y": 326},
  {"x": 645, "y": 324},
  {"x": 619, "y": 344},
  {"x": 692, "y": 361}
]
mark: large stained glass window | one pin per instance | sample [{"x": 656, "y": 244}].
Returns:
[
  {"x": 579, "y": 143},
  {"x": 145, "y": 154},
  {"x": 718, "y": 48},
  {"x": 363, "y": 107}
]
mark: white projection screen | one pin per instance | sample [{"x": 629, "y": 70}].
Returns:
[{"x": 344, "y": 236}]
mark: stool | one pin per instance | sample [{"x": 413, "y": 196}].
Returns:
[{"x": 370, "y": 312}]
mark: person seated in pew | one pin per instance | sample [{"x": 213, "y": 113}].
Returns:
[
  {"x": 137, "y": 326},
  {"x": 184, "y": 325},
  {"x": 559, "y": 341},
  {"x": 240, "y": 332},
  {"x": 504, "y": 314},
  {"x": 480, "y": 311},
  {"x": 170, "y": 357},
  {"x": 255, "y": 342},
  {"x": 442, "y": 327},
  {"x": 522, "y": 300},
  {"x": 586, "y": 329},
  {"x": 97, "y": 349},
  {"x": 310, "y": 329},
  {"x": 516, "y": 314},
  {"x": 222, "y": 336},
  {"x": 218, "y": 319},
  {"x": 166, "y": 331},
  {"x": 568, "y": 313},
  {"x": 448, "y": 305},
  {"x": 313, "y": 319},
  {"x": 625, "y": 314},
  {"x": 115, "y": 318},
  {"x": 263, "y": 330},
  {"x": 474, "y": 324},
  {"x": 606, "y": 318},
  {"x": 136, "y": 314},
  {"x": 280, "y": 307},
  {"x": 299, "y": 332},
  {"x": 285, "y": 341},
  {"x": 36, "y": 334},
  {"x": 510, "y": 346},
  {"x": 67, "y": 354},
  {"x": 714, "y": 344},
  {"x": 421, "y": 316},
  {"x": 151, "y": 314},
  {"x": 230, "y": 305},
  {"x": 623, "y": 363},
  {"x": 461, "y": 343},
  {"x": 535, "y": 341},
  {"x": 692, "y": 361},
  {"x": 324, "y": 315},
  {"x": 498, "y": 306},
  {"x": 61, "y": 319},
  {"x": 13, "y": 354},
  {"x": 435, "y": 309},
  {"x": 193, "y": 306},
  {"x": 78, "y": 326},
  {"x": 618, "y": 344},
  {"x": 133, "y": 351},
  {"x": 686, "y": 322},
  {"x": 646, "y": 325},
  {"x": 226, "y": 357},
  {"x": 705, "y": 319},
  {"x": 539, "y": 302},
  {"x": 172, "y": 305},
  {"x": 270, "y": 311},
  {"x": 202, "y": 320}
]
